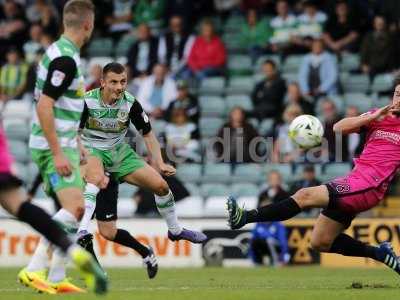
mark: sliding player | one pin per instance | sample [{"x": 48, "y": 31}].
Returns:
[{"x": 344, "y": 197}]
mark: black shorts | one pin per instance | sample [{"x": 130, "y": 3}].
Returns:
[
  {"x": 339, "y": 216},
  {"x": 106, "y": 203},
  {"x": 9, "y": 182}
]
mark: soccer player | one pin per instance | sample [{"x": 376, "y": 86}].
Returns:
[
  {"x": 53, "y": 141},
  {"x": 13, "y": 199},
  {"x": 344, "y": 197},
  {"x": 108, "y": 112}
]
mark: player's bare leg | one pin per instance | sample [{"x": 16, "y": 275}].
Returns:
[
  {"x": 109, "y": 230},
  {"x": 147, "y": 177},
  {"x": 317, "y": 196}
]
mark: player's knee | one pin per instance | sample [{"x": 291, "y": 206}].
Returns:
[
  {"x": 79, "y": 212},
  {"x": 320, "y": 244},
  {"x": 161, "y": 188},
  {"x": 95, "y": 179},
  {"x": 108, "y": 232},
  {"x": 304, "y": 197}
]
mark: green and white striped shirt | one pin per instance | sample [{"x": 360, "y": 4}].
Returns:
[
  {"x": 65, "y": 88},
  {"x": 105, "y": 126}
]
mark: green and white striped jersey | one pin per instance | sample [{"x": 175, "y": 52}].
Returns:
[
  {"x": 105, "y": 126},
  {"x": 59, "y": 76}
]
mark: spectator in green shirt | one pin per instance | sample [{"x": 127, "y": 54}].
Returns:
[
  {"x": 255, "y": 35},
  {"x": 149, "y": 12}
]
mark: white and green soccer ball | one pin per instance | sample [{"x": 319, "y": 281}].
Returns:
[{"x": 306, "y": 131}]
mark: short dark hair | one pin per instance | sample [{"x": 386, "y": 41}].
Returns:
[
  {"x": 270, "y": 62},
  {"x": 113, "y": 67}
]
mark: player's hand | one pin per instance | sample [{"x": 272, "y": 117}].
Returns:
[
  {"x": 381, "y": 112},
  {"x": 167, "y": 170},
  {"x": 62, "y": 164}
]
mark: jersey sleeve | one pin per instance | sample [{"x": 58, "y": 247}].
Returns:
[
  {"x": 84, "y": 117},
  {"x": 60, "y": 74},
  {"x": 139, "y": 118}
]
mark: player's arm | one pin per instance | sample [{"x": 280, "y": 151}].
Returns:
[
  {"x": 354, "y": 124},
  {"x": 142, "y": 123},
  {"x": 61, "y": 72}
]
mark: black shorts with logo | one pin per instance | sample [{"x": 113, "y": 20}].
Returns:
[{"x": 106, "y": 202}]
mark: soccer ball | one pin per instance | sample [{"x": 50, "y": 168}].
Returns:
[{"x": 306, "y": 131}]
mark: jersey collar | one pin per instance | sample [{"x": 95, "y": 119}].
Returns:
[{"x": 70, "y": 42}]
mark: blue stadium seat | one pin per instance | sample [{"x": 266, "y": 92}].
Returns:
[
  {"x": 189, "y": 172},
  {"x": 359, "y": 100},
  {"x": 242, "y": 101},
  {"x": 212, "y": 86},
  {"x": 193, "y": 189},
  {"x": 300, "y": 167},
  {"x": 244, "y": 190},
  {"x": 239, "y": 65},
  {"x": 126, "y": 190},
  {"x": 240, "y": 85},
  {"x": 124, "y": 45},
  {"x": 17, "y": 130},
  {"x": 292, "y": 64},
  {"x": 100, "y": 47},
  {"x": 213, "y": 190},
  {"x": 349, "y": 62},
  {"x": 250, "y": 173},
  {"x": 382, "y": 83},
  {"x": 212, "y": 106},
  {"x": 266, "y": 126},
  {"x": 333, "y": 170},
  {"x": 20, "y": 151},
  {"x": 356, "y": 83},
  {"x": 210, "y": 126},
  {"x": 216, "y": 173},
  {"x": 284, "y": 169}
]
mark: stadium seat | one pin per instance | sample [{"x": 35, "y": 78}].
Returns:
[
  {"x": 17, "y": 109},
  {"x": 333, "y": 170},
  {"x": 232, "y": 43},
  {"x": 338, "y": 100},
  {"x": 239, "y": 65},
  {"x": 242, "y": 101},
  {"x": 212, "y": 106},
  {"x": 19, "y": 150},
  {"x": 356, "y": 83},
  {"x": 158, "y": 126},
  {"x": 291, "y": 77},
  {"x": 234, "y": 23},
  {"x": 18, "y": 130},
  {"x": 126, "y": 190},
  {"x": 210, "y": 126},
  {"x": 190, "y": 207},
  {"x": 254, "y": 122},
  {"x": 246, "y": 173},
  {"x": 216, "y": 173},
  {"x": 126, "y": 208},
  {"x": 189, "y": 172},
  {"x": 382, "y": 83},
  {"x": 244, "y": 190},
  {"x": 214, "y": 189},
  {"x": 292, "y": 64},
  {"x": 359, "y": 100},
  {"x": 100, "y": 47},
  {"x": 215, "y": 207},
  {"x": 266, "y": 126},
  {"x": 260, "y": 61},
  {"x": 192, "y": 188},
  {"x": 248, "y": 202},
  {"x": 22, "y": 170},
  {"x": 349, "y": 62},
  {"x": 284, "y": 169},
  {"x": 212, "y": 86},
  {"x": 240, "y": 85},
  {"x": 124, "y": 45}
]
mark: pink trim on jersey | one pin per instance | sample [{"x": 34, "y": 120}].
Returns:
[{"x": 6, "y": 159}]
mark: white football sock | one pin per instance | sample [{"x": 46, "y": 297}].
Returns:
[
  {"x": 90, "y": 195},
  {"x": 166, "y": 208},
  {"x": 40, "y": 258},
  {"x": 70, "y": 224}
]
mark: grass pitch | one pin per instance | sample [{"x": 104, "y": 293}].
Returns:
[{"x": 291, "y": 283}]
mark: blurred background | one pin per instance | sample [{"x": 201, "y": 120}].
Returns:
[{"x": 228, "y": 71}]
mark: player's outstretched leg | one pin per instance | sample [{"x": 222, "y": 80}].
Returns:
[{"x": 317, "y": 196}]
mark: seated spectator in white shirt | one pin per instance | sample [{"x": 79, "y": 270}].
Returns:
[
  {"x": 157, "y": 91},
  {"x": 33, "y": 45}
]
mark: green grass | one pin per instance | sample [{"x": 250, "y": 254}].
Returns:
[{"x": 294, "y": 283}]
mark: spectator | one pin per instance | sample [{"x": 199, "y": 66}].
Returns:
[
  {"x": 207, "y": 56},
  {"x": 294, "y": 96},
  {"x": 308, "y": 179},
  {"x": 318, "y": 72},
  {"x": 149, "y": 12},
  {"x": 310, "y": 24},
  {"x": 255, "y": 35},
  {"x": 142, "y": 56},
  {"x": 273, "y": 190},
  {"x": 224, "y": 8},
  {"x": 181, "y": 137},
  {"x": 269, "y": 239},
  {"x": 120, "y": 20},
  {"x": 267, "y": 95},
  {"x": 31, "y": 76},
  {"x": 355, "y": 140},
  {"x": 13, "y": 76},
  {"x": 187, "y": 10},
  {"x": 330, "y": 116},
  {"x": 12, "y": 27},
  {"x": 186, "y": 101},
  {"x": 38, "y": 8},
  {"x": 49, "y": 21},
  {"x": 175, "y": 46},
  {"x": 340, "y": 33},
  {"x": 46, "y": 40},
  {"x": 157, "y": 91},
  {"x": 95, "y": 75},
  {"x": 284, "y": 150},
  {"x": 378, "y": 49},
  {"x": 33, "y": 45},
  {"x": 284, "y": 29},
  {"x": 237, "y": 135}
]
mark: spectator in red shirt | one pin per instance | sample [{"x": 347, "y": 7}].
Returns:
[{"x": 207, "y": 56}]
